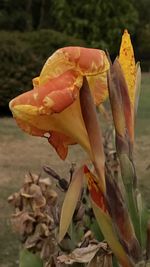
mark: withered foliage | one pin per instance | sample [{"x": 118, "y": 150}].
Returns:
[{"x": 37, "y": 214}]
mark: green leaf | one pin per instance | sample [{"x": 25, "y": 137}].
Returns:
[
  {"x": 96, "y": 231},
  {"x": 145, "y": 217},
  {"x": 28, "y": 259},
  {"x": 107, "y": 229},
  {"x": 128, "y": 176},
  {"x": 70, "y": 202}
]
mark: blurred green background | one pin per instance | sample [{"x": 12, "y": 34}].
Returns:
[{"x": 31, "y": 30}]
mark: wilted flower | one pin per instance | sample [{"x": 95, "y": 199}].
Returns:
[{"x": 33, "y": 218}]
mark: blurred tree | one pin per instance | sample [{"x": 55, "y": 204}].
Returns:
[
  {"x": 102, "y": 22},
  {"x": 15, "y": 15},
  {"x": 98, "y": 22},
  {"x": 142, "y": 34},
  {"x": 143, "y": 8}
]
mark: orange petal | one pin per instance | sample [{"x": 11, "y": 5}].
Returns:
[
  {"x": 60, "y": 142},
  {"x": 127, "y": 61},
  {"x": 68, "y": 122},
  {"x": 28, "y": 128},
  {"x": 54, "y": 96},
  {"x": 94, "y": 189},
  {"x": 35, "y": 81},
  {"x": 53, "y": 103},
  {"x": 98, "y": 87},
  {"x": 86, "y": 61}
]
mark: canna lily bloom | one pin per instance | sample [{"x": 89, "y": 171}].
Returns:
[
  {"x": 52, "y": 108},
  {"x": 127, "y": 62},
  {"x": 124, "y": 79},
  {"x": 132, "y": 74}
]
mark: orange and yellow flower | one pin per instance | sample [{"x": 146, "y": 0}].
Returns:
[
  {"x": 124, "y": 80},
  {"x": 132, "y": 74},
  {"x": 52, "y": 108}
]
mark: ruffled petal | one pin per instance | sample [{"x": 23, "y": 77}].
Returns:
[
  {"x": 98, "y": 86},
  {"x": 88, "y": 62},
  {"x": 54, "y": 96},
  {"x": 52, "y": 106}
]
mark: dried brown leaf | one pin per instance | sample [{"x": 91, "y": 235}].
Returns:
[
  {"x": 15, "y": 200},
  {"x": 41, "y": 232},
  {"x": 48, "y": 247},
  {"x": 22, "y": 222},
  {"x": 46, "y": 181},
  {"x": 38, "y": 198},
  {"x": 31, "y": 178},
  {"x": 82, "y": 255},
  {"x": 51, "y": 197}
]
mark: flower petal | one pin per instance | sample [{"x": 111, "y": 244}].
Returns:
[
  {"x": 52, "y": 106},
  {"x": 95, "y": 192},
  {"x": 68, "y": 123},
  {"x": 98, "y": 87},
  {"x": 36, "y": 81},
  {"x": 127, "y": 61},
  {"x": 60, "y": 142},
  {"x": 54, "y": 96},
  {"x": 88, "y": 62}
]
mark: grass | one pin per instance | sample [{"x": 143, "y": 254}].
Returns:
[
  {"x": 20, "y": 153},
  {"x": 143, "y": 116},
  {"x": 143, "y": 138}
]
